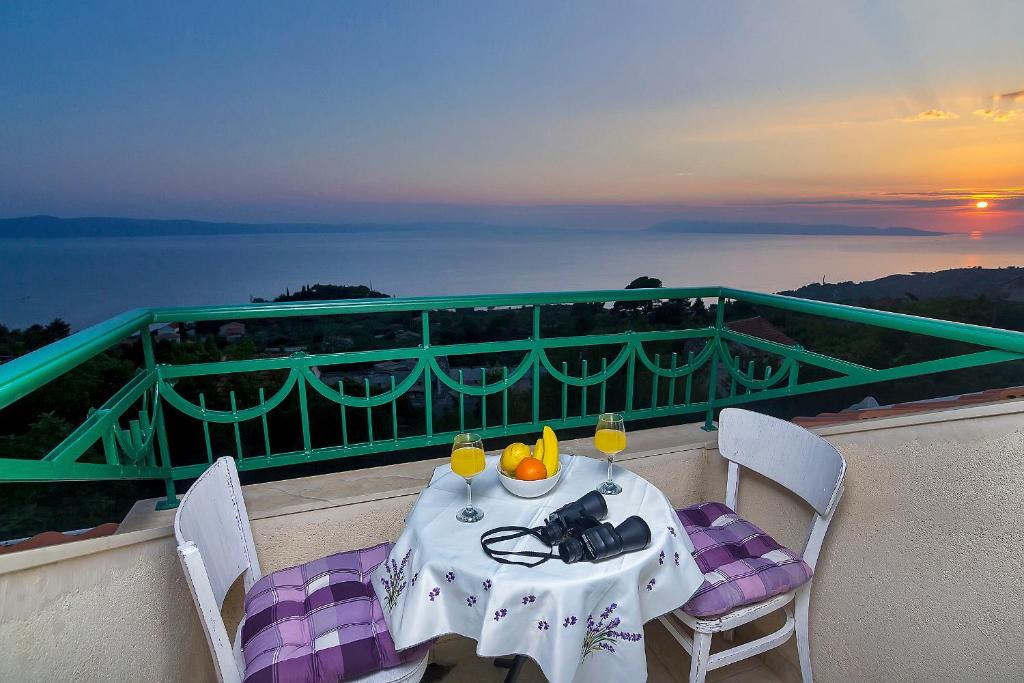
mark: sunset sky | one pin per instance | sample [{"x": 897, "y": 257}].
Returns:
[{"x": 575, "y": 114}]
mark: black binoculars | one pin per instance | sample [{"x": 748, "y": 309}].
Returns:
[
  {"x": 576, "y": 528},
  {"x": 579, "y": 533}
]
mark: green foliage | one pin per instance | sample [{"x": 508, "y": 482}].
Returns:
[
  {"x": 14, "y": 343},
  {"x": 319, "y": 292},
  {"x": 639, "y": 307}
]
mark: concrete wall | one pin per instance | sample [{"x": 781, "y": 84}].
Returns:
[{"x": 922, "y": 576}]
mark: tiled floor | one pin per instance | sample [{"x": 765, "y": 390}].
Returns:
[{"x": 456, "y": 662}]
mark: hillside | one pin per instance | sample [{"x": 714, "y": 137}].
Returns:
[{"x": 994, "y": 283}]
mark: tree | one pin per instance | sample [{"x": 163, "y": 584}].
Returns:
[
  {"x": 319, "y": 292},
  {"x": 639, "y": 307},
  {"x": 645, "y": 282}
]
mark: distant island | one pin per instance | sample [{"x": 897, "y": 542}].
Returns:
[
  {"x": 727, "y": 228},
  {"x": 55, "y": 227}
]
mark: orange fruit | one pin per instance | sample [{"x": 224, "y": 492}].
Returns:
[{"x": 531, "y": 469}]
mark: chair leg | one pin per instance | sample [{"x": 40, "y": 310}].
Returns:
[
  {"x": 728, "y": 635},
  {"x": 700, "y": 657},
  {"x": 803, "y": 643}
]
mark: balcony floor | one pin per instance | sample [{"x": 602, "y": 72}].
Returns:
[{"x": 666, "y": 663}]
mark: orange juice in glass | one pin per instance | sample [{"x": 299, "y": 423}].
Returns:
[
  {"x": 610, "y": 439},
  {"x": 467, "y": 462}
]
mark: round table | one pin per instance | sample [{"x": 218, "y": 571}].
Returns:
[{"x": 580, "y": 621}]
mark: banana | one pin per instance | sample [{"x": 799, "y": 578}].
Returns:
[
  {"x": 538, "y": 451},
  {"x": 550, "y": 459}
]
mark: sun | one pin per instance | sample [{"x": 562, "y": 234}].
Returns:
[{"x": 982, "y": 204}]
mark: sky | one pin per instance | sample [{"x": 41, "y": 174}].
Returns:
[{"x": 576, "y": 114}]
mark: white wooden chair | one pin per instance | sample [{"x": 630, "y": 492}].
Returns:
[
  {"x": 215, "y": 547},
  {"x": 806, "y": 465}
]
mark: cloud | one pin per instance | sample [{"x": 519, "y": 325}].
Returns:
[
  {"x": 931, "y": 115},
  {"x": 1000, "y": 115},
  {"x": 1015, "y": 95},
  {"x": 1004, "y": 199}
]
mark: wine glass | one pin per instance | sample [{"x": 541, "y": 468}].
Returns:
[
  {"x": 610, "y": 439},
  {"x": 467, "y": 462}
]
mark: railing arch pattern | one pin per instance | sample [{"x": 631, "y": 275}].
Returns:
[{"x": 140, "y": 449}]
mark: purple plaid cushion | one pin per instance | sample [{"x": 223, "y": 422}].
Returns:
[
  {"x": 741, "y": 564},
  {"x": 320, "y": 622}
]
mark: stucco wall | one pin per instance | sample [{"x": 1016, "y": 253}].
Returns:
[
  {"x": 922, "y": 576},
  {"x": 920, "y": 579},
  {"x": 120, "y": 614}
]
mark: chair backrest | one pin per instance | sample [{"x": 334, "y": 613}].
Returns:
[
  {"x": 789, "y": 455},
  {"x": 215, "y": 546}
]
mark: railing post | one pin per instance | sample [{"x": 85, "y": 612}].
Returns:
[
  {"x": 536, "y": 364},
  {"x": 428, "y": 377},
  {"x": 709, "y": 418},
  {"x": 149, "y": 358},
  {"x": 171, "y": 500},
  {"x": 630, "y": 376}
]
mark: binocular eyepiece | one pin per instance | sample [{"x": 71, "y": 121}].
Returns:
[
  {"x": 561, "y": 523},
  {"x": 605, "y": 541}
]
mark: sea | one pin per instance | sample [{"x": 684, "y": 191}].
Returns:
[{"x": 86, "y": 280}]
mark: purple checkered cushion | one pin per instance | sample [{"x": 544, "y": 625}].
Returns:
[
  {"x": 319, "y": 622},
  {"x": 741, "y": 564}
]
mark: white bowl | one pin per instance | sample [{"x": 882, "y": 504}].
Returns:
[{"x": 528, "y": 489}]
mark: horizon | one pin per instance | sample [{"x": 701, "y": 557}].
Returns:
[
  {"x": 565, "y": 116},
  {"x": 667, "y": 221}
]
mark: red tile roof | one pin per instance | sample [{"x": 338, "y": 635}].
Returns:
[
  {"x": 853, "y": 415},
  {"x": 760, "y": 328},
  {"x": 56, "y": 538}
]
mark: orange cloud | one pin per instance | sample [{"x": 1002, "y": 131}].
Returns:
[
  {"x": 1015, "y": 95},
  {"x": 1000, "y": 115},
  {"x": 931, "y": 115}
]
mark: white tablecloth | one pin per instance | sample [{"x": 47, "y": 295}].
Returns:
[{"x": 581, "y": 622}]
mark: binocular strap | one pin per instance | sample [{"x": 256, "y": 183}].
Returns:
[{"x": 487, "y": 539}]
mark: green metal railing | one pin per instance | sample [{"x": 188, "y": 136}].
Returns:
[{"x": 130, "y": 428}]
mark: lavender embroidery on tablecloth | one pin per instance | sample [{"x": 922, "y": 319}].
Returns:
[
  {"x": 602, "y": 634},
  {"x": 677, "y": 559},
  {"x": 500, "y": 614},
  {"x": 543, "y": 625},
  {"x": 471, "y": 600},
  {"x": 650, "y": 585},
  {"x": 569, "y": 621},
  {"x": 661, "y": 557},
  {"x": 487, "y": 584},
  {"x": 449, "y": 577},
  {"x": 434, "y": 593},
  {"x": 672, "y": 530},
  {"x": 528, "y": 599},
  {"x": 394, "y": 583}
]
